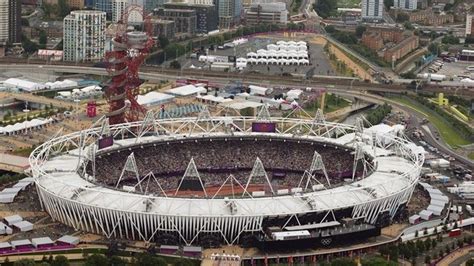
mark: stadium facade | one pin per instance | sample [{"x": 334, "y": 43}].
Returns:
[{"x": 389, "y": 167}]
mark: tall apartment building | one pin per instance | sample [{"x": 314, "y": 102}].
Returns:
[
  {"x": 406, "y": 4},
  {"x": 184, "y": 19},
  {"x": 470, "y": 25},
  {"x": 230, "y": 12},
  {"x": 14, "y": 21},
  {"x": 206, "y": 15},
  {"x": 104, "y": 6},
  {"x": 270, "y": 13},
  {"x": 118, "y": 7},
  {"x": 84, "y": 35},
  {"x": 76, "y": 4},
  {"x": 150, "y": 5},
  {"x": 3, "y": 21},
  {"x": 10, "y": 21},
  {"x": 372, "y": 10}
]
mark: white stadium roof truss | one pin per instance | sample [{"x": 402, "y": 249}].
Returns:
[{"x": 75, "y": 201}]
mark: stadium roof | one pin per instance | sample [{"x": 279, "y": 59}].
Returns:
[
  {"x": 187, "y": 90},
  {"x": 154, "y": 98},
  {"x": 385, "y": 181},
  {"x": 72, "y": 240}
]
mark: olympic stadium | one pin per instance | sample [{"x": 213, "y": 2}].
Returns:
[{"x": 228, "y": 180}]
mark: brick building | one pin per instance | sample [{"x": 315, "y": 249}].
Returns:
[
  {"x": 427, "y": 17},
  {"x": 401, "y": 49},
  {"x": 372, "y": 40},
  {"x": 389, "y": 42}
]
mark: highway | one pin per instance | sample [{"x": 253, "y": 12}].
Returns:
[
  {"x": 415, "y": 119},
  {"x": 156, "y": 73}
]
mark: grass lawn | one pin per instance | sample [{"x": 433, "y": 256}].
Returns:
[
  {"x": 471, "y": 155},
  {"x": 447, "y": 132},
  {"x": 331, "y": 106},
  {"x": 348, "y": 3}
]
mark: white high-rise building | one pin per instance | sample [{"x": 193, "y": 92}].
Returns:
[
  {"x": 3, "y": 21},
  {"x": 118, "y": 7},
  {"x": 84, "y": 35},
  {"x": 406, "y": 4},
  {"x": 372, "y": 10},
  {"x": 470, "y": 25}
]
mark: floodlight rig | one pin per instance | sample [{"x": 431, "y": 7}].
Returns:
[{"x": 129, "y": 53}]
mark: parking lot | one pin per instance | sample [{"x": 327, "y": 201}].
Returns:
[
  {"x": 455, "y": 70},
  {"x": 317, "y": 57}
]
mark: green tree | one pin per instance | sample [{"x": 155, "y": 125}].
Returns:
[
  {"x": 330, "y": 29},
  {"x": 325, "y": 8},
  {"x": 343, "y": 262},
  {"x": 360, "y": 30},
  {"x": 60, "y": 260},
  {"x": 43, "y": 37},
  {"x": 408, "y": 25},
  {"x": 25, "y": 22},
  {"x": 145, "y": 259},
  {"x": 117, "y": 261},
  {"x": 183, "y": 262},
  {"x": 427, "y": 259},
  {"x": 388, "y": 3},
  {"x": 450, "y": 39},
  {"x": 175, "y": 65},
  {"x": 163, "y": 41},
  {"x": 402, "y": 17},
  {"x": 28, "y": 45},
  {"x": 96, "y": 260},
  {"x": 64, "y": 8},
  {"x": 24, "y": 262}
]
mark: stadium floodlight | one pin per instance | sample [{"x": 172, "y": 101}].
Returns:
[
  {"x": 263, "y": 113},
  {"x": 258, "y": 171},
  {"x": 317, "y": 164},
  {"x": 319, "y": 117},
  {"x": 359, "y": 157},
  {"x": 105, "y": 128},
  {"x": 191, "y": 173},
  {"x": 149, "y": 124},
  {"x": 130, "y": 166},
  {"x": 205, "y": 117},
  {"x": 359, "y": 129},
  {"x": 89, "y": 158}
]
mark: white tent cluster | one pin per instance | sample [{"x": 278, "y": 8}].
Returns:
[
  {"x": 7, "y": 195},
  {"x": 24, "y": 85},
  {"x": 85, "y": 92},
  {"x": 24, "y": 126},
  {"x": 64, "y": 84},
  {"x": 281, "y": 53}
]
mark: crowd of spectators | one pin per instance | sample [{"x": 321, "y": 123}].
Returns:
[{"x": 216, "y": 159}]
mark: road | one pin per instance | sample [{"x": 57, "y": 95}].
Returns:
[
  {"x": 157, "y": 74},
  {"x": 414, "y": 122}
]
